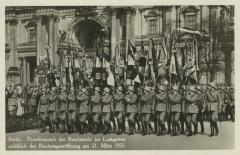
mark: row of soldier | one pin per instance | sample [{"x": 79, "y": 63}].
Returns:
[{"x": 103, "y": 110}]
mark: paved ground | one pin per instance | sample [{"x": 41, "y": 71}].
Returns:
[{"x": 225, "y": 140}]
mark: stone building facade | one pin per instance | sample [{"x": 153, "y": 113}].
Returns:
[{"x": 30, "y": 30}]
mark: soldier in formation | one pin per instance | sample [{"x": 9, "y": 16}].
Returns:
[
  {"x": 68, "y": 109},
  {"x": 119, "y": 109}
]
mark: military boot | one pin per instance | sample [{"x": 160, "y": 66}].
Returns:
[
  {"x": 216, "y": 128},
  {"x": 173, "y": 131},
  {"x": 195, "y": 128},
  {"x": 202, "y": 127},
  {"x": 119, "y": 132},
  {"x": 43, "y": 127},
  {"x": 189, "y": 128},
  {"x": 212, "y": 129}
]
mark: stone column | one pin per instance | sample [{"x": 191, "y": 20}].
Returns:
[
  {"x": 164, "y": 19},
  {"x": 19, "y": 24},
  {"x": 7, "y": 30},
  {"x": 113, "y": 33},
  {"x": 12, "y": 43},
  {"x": 56, "y": 40},
  {"x": 24, "y": 71},
  {"x": 173, "y": 17},
  {"x": 51, "y": 39},
  {"x": 28, "y": 73},
  {"x": 39, "y": 40},
  {"x": 128, "y": 29}
]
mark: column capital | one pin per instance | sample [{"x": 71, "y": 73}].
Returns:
[
  {"x": 51, "y": 17},
  {"x": 13, "y": 21},
  {"x": 130, "y": 11},
  {"x": 57, "y": 19}
]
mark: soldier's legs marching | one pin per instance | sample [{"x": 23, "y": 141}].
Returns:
[
  {"x": 182, "y": 120},
  {"x": 161, "y": 122},
  {"x": 131, "y": 122},
  {"x": 120, "y": 123},
  {"x": 96, "y": 123},
  {"x": 106, "y": 122},
  {"x": 63, "y": 120},
  {"x": 72, "y": 121},
  {"x": 144, "y": 124},
  {"x": 53, "y": 121},
  {"x": 213, "y": 123},
  {"x": 200, "y": 120},
  {"x": 175, "y": 123},
  {"x": 169, "y": 121},
  {"x": 194, "y": 121},
  {"x": 83, "y": 125},
  {"x": 43, "y": 116}
]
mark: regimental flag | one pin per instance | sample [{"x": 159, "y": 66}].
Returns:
[
  {"x": 119, "y": 65},
  {"x": 149, "y": 74},
  {"x": 132, "y": 66},
  {"x": 191, "y": 69},
  {"x": 99, "y": 74},
  {"x": 154, "y": 57},
  {"x": 109, "y": 74},
  {"x": 173, "y": 68}
]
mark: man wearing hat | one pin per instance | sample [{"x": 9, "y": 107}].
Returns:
[
  {"x": 63, "y": 108},
  {"x": 175, "y": 107},
  {"x": 83, "y": 109},
  {"x": 34, "y": 93},
  {"x": 147, "y": 105},
  {"x": 119, "y": 108},
  {"x": 72, "y": 111},
  {"x": 183, "y": 107},
  {"x": 43, "y": 108},
  {"x": 192, "y": 109},
  {"x": 214, "y": 103},
  {"x": 161, "y": 103},
  {"x": 12, "y": 99},
  {"x": 107, "y": 108},
  {"x": 131, "y": 101},
  {"x": 20, "y": 100},
  {"x": 201, "y": 106},
  {"x": 96, "y": 109},
  {"x": 53, "y": 108}
]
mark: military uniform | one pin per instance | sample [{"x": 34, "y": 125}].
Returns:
[
  {"x": 161, "y": 103},
  {"x": 20, "y": 100},
  {"x": 175, "y": 108},
  {"x": 83, "y": 109},
  {"x": 107, "y": 109},
  {"x": 12, "y": 101},
  {"x": 119, "y": 109},
  {"x": 72, "y": 111},
  {"x": 131, "y": 101},
  {"x": 96, "y": 109},
  {"x": 192, "y": 110},
  {"x": 201, "y": 107},
  {"x": 147, "y": 105},
  {"x": 53, "y": 109},
  {"x": 43, "y": 109},
  {"x": 63, "y": 108},
  {"x": 33, "y": 101},
  {"x": 214, "y": 104}
]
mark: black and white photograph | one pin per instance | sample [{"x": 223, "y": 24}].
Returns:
[{"x": 154, "y": 77}]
